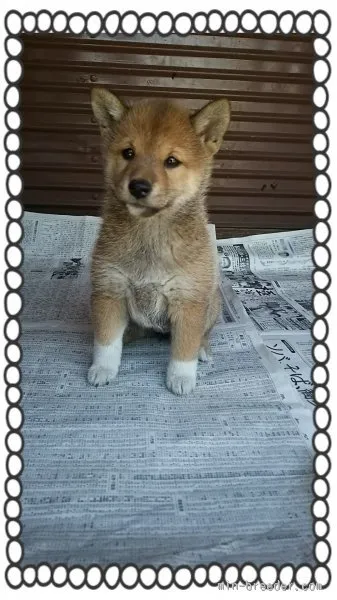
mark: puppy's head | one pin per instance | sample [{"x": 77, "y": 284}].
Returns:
[{"x": 156, "y": 155}]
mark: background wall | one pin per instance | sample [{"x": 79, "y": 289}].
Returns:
[{"x": 263, "y": 175}]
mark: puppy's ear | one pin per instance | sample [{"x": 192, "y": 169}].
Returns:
[
  {"x": 211, "y": 123},
  {"x": 108, "y": 110},
  {"x": 106, "y": 106}
]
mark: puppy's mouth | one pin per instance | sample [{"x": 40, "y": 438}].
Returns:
[
  {"x": 142, "y": 210},
  {"x": 147, "y": 207}
]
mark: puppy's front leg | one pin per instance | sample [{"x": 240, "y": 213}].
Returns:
[
  {"x": 187, "y": 326},
  {"x": 109, "y": 316}
]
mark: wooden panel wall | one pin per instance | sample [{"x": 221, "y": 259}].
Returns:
[{"x": 263, "y": 175}]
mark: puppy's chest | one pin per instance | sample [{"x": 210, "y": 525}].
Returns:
[
  {"x": 147, "y": 298},
  {"x": 148, "y": 306},
  {"x": 148, "y": 288}
]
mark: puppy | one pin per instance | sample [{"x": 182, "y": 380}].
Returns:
[{"x": 153, "y": 264}]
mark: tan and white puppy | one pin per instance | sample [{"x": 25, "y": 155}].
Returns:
[{"x": 153, "y": 265}]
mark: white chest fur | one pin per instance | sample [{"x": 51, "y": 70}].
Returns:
[
  {"x": 147, "y": 292},
  {"x": 148, "y": 305}
]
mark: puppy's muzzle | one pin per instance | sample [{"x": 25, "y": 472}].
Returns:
[{"x": 140, "y": 188}]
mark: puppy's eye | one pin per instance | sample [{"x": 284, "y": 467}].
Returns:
[
  {"x": 171, "y": 162},
  {"x": 128, "y": 153}
]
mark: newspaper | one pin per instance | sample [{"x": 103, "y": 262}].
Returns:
[
  {"x": 271, "y": 275},
  {"x": 56, "y": 269},
  {"x": 129, "y": 473}
]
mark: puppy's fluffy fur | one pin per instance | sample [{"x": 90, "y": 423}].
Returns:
[{"x": 153, "y": 265}]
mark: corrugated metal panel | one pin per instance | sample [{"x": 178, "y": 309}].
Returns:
[{"x": 263, "y": 175}]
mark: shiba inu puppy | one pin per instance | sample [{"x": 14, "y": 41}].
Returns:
[{"x": 153, "y": 265}]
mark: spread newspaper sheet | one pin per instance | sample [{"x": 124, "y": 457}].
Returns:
[{"x": 130, "y": 473}]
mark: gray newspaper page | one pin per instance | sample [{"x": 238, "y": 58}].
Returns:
[
  {"x": 131, "y": 473},
  {"x": 271, "y": 275}
]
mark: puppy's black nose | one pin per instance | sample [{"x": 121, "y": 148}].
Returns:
[{"x": 139, "y": 188}]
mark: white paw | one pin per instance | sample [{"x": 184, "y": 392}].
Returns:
[
  {"x": 106, "y": 362},
  {"x": 98, "y": 375},
  {"x": 181, "y": 376},
  {"x": 203, "y": 355}
]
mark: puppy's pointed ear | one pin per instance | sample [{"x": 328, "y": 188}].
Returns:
[
  {"x": 108, "y": 110},
  {"x": 211, "y": 123},
  {"x": 106, "y": 106}
]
